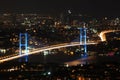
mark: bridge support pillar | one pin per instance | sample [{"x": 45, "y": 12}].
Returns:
[
  {"x": 23, "y": 45},
  {"x": 83, "y": 40}
]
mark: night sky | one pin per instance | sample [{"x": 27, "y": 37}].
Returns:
[{"x": 91, "y": 7}]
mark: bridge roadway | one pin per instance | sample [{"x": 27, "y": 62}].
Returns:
[
  {"x": 38, "y": 50},
  {"x": 103, "y": 36}
]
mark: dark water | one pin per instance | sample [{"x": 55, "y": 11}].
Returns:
[{"x": 102, "y": 68}]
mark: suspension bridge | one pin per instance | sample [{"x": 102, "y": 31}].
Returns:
[{"x": 23, "y": 45}]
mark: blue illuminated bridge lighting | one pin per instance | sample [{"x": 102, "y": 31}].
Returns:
[
  {"x": 83, "y": 40},
  {"x": 23, "y": 46}
]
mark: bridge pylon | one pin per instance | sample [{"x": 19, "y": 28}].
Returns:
[
  {"x": 83, "y": 40},
  {"x": 23, "y": 45}
]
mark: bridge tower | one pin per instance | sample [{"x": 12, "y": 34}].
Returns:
[
  {"x": 23, "y": 45},
  {"x": 83, "y": 41}
]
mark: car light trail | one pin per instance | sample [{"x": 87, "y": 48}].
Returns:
[
  {"x": 38, "y": 50},
  {"x": 102, "y": 34}
]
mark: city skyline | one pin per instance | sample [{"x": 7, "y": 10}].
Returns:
[{"x": 59, "y": 40}]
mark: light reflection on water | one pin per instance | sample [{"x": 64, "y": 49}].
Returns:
[
  {"x": 85, "y": 60},
  {"x": 82, "y": 78}
]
